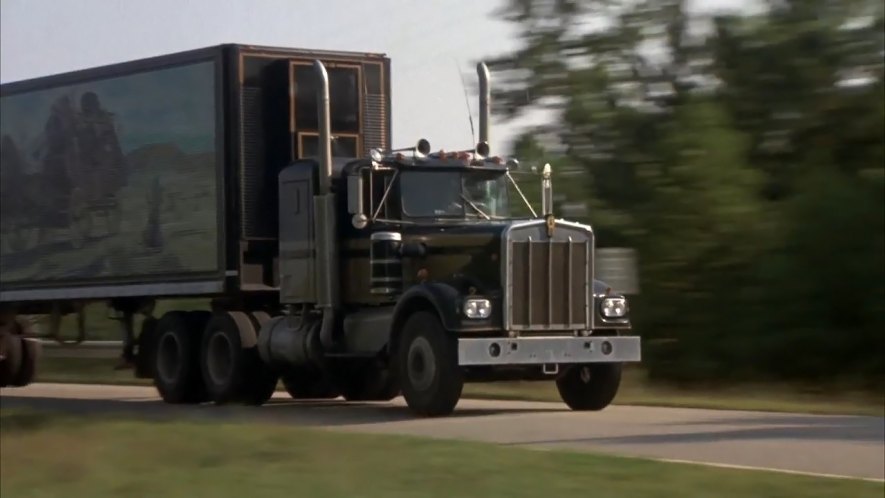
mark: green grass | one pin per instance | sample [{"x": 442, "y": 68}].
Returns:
[
  {"x": 51, "y": 455},
  {"x": 635, "y": 390}
]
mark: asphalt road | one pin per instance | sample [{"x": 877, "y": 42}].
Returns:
[{"x": 843, "y": 446}]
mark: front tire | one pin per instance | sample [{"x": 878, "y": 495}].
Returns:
[
  {"x": 590, "y": 387},
  {"x": 427, "y": 364}
]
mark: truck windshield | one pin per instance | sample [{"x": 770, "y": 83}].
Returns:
[{"x": 454, "y": 194}]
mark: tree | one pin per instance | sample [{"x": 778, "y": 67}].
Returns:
[{"x": 744, "y": 166}]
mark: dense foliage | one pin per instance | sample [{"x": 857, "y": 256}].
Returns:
[{"x": 742, "y": 155}]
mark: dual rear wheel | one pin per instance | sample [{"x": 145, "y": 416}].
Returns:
[{"x": 196, "y": 356}]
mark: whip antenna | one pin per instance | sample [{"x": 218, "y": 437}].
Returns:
[{"x": 467, "y": 101}]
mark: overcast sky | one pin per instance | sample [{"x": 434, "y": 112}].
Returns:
[{"x": 428, "y": 42}]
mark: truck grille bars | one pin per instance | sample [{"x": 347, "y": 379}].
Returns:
[{"x": 548, "y": 279}]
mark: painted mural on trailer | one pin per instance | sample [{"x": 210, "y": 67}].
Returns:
[{"x": 110, "y": 179}]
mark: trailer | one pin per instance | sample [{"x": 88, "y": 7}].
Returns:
[{"x": 263, "y": 179}]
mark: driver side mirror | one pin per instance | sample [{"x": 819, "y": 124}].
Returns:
[{"x": 355, "y": 201}]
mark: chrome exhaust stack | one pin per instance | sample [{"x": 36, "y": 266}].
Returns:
[
  {"x": 325, "y": 219},
  {"x": 484, "y": 103},
  {"x": 325, "y": 133}
]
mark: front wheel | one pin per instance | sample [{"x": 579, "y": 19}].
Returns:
[
  {"x": 590, "y": 387},
  {"x": 427, "y": 363}
]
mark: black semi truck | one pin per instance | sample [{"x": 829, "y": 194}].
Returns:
[{"x": 262, "y": 180}]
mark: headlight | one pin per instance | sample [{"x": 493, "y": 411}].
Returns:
[
  {"x": 614, "y": 307},
  {"x": 477, "y": 308}
]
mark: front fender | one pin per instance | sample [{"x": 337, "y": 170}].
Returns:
[
  {"x": 443, "y": 298},
  {"x": 447, "y": 301}
]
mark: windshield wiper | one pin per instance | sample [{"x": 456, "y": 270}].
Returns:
[{"x": 474, "y": 206}]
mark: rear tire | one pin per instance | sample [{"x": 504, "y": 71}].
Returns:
[
  {"x": 177, "y": 360},
  {"x": 232, "y": 373},
  {"x": 590, "y": 387},
  {"x": 427, "y": 364}
]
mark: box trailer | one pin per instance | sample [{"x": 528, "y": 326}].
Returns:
[
  {"x": 264, "y": 179},
  {"x": 159, "y": 177}
]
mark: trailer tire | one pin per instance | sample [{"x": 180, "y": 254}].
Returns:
[
  {"x": 176, "y": 362},
  {"x": 11, "y": 348},
  {"x": 590, "y": 387},
  {"x": 302, "y": 383},
  {"x": 427, "y": 365},
  {"x": 27, "y": 371}
]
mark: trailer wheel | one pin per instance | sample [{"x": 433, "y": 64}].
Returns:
[
  {"x": 176, "y": 361},
  {"x": 303, "y": 383},
  {"x": 427, "y": 361},
  {"x": 28, "y": 369},
  {"x": 590, "y": 387},
  {"x": 11, "y": 353},
  {"x": 233, "y": 373}
]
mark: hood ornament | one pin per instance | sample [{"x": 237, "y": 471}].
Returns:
[{"x": 551, "y": 225}]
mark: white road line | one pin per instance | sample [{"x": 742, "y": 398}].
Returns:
[{"x": 765, "y": 469}]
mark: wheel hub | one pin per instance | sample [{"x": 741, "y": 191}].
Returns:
[
  {"x": 169, "y": 358},
  {"x": 421, "y": 364},
  {"x": 585, "y": 375},
  {"x": 220, "y": 358}
]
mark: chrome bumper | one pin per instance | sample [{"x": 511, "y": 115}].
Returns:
[{"x": 548, "y": 350}]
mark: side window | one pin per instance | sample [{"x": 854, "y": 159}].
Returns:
[{"x": 378, "y": 185}]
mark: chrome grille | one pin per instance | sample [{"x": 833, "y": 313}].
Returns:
[{"x": 549, "y": 280}]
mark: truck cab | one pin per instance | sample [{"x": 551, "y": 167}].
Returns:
[{"x": 422, "y": 265}]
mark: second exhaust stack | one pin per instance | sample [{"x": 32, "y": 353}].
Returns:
[
  {"x": 484, "y": 102},
  {"x": 325, "y": 134}
]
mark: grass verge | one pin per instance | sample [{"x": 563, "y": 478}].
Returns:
[
  {"x": 53, "y": 455},
  {"x": 635, "y": 390}
]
